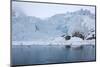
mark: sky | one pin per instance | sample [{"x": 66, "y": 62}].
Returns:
[{"x": 43, "y": 10}]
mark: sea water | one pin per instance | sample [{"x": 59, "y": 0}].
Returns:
[{"x": 44, "y": 54}]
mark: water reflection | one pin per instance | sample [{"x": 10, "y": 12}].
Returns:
[{"x": 29, "y": 54}]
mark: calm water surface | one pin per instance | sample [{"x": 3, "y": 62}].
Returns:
[{"x": 32, "y": 54}]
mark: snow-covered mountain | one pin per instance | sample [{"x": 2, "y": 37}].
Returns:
[
  {"x": 29, "y": 28},
  {"x": 81, "y": 21}
]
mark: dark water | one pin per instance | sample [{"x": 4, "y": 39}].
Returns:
[{"x": 23, "y": 55}]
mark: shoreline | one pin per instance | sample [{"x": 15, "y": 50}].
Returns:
[{"x": 77, "y": 43}]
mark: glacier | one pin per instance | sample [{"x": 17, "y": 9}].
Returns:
[{"x": 31, "y": 30}]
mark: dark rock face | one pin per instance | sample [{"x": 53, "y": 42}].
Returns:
[
  {"x": 67, "y": 37},
  {"x": 90, "y": 38},
  {"x": 78, "y": 34}
]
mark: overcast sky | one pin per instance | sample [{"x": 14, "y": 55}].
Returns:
[{"x": 43, "y": 10}]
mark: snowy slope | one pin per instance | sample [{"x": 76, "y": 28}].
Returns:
[{"x": 30, "y": 28}]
